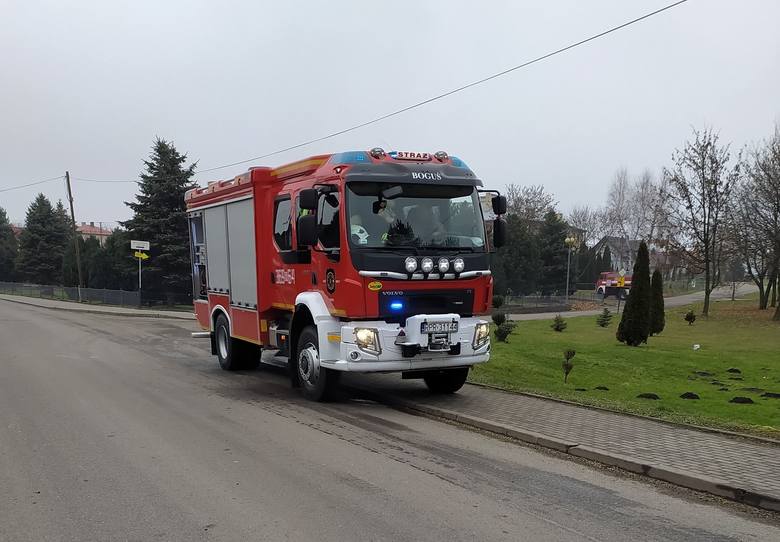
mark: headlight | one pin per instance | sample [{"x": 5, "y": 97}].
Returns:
[
  {"x": 410, "y": 264},
  {"x": 458, "y": 266},
  {"x": 444, "y": 265},
  {"x": 481, "y": 335},
  {"x": 427, "y": 265},
  {"x": 367, "y": 339}
]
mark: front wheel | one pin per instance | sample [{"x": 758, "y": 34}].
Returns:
[
  {"x": 447, "y": 380},
  {"x": 318, "y": 383}
]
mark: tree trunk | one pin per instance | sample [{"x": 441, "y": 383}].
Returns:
[
  {"x": 707, "y": 290},
  {"x": 776, "y": 317},
  {"x": 774, "y": 292}
]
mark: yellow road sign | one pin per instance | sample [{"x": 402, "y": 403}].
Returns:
[
  {"x": 621, "y": 282},
  {"x": 141, "y": 255}
]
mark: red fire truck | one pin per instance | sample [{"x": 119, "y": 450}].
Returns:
[
  {"x": 612, "y": 283},
  {"x": 356, "y": 261}
]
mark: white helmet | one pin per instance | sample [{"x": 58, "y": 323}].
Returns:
[{"x": 359, "y": 234}]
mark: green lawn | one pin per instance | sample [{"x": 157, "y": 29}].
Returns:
[{"x": 736, "y": 335}]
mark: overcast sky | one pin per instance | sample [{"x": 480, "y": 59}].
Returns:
[{"x": 86, "y": 86}]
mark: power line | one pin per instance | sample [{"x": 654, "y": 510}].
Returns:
[
  {"x": 31, "y": 184},
  {"x": 107, "y": 180},
  {"x": 423, "y": 102},
  {"x": 453, "y": 91}
]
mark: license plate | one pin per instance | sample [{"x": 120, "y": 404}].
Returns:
[{"x": 439, "y": 327}]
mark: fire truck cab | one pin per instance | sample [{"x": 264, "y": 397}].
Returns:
[{"x": 356, "y": 261}]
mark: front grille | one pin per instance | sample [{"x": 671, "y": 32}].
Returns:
[{"x": 425, "y": 302}]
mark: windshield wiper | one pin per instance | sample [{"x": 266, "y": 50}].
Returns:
[{"x": 448, "y": 248}]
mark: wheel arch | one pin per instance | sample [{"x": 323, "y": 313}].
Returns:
[{"x": 215, "y": 312}]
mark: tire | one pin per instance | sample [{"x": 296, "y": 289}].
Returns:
[
  {"x": 234, "y": 354},
  {"x": 447, "y": 380},
  {"x": 226, "y": 354},
  {"x": 318, "y": 383}
]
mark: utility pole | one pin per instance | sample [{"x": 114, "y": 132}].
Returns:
[
  {"x": 75, "y": 234},
  {"x": 569, "y": 242}
]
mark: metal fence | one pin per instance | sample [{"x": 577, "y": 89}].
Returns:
[
  {"x": 546, "y": 303},
  {"x": 65, "y": 293}
]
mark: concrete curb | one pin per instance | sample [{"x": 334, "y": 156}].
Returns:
[
  {"x": 83, "y": 309},
  {"x": 658, "y": 472}
]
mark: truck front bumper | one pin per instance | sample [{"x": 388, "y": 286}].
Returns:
[{"x": 413, "y": 351}]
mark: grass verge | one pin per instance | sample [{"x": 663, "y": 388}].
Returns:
[{"x": 735, "y": 336}]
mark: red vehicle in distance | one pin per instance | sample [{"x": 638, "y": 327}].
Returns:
[
  {"x": 612, "y": 283},
  {"x": 362, "y": 261}
]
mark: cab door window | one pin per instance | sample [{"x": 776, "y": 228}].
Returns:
[
  {"x": 328, "y": 220},
  {"x": 283, "y": 224}
]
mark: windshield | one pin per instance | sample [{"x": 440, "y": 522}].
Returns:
[{"x": 414, "y": 215}]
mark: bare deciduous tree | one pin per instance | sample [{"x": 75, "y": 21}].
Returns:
[
  {"x": 762, "y": 210},
  {"x": 748, "y": 239},
  {"x": 589, "y": 221},
  {"x": 529, "y": 202},
  {"x": 701, "y": 181}
]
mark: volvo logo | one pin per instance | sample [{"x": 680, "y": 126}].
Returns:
[{"x": 426, "y": 175}]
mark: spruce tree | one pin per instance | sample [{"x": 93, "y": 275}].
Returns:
[
  {"x": 553, "y": 254},
  {"x": 517, "y": 264},
  {"x": 160, "y": 218},
  {"x": 657, "y": 317},
  {"x": 634, "y": 327},
  {"x": 8, "y": 248},
  {"x": 43, "y": 243}
]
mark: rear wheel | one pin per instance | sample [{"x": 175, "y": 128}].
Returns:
[
  {"x": 224, "y": 343},
  {"x": 233, "y": 354},
  {"x": 446, "y": 380},
  {"x": 318, "y": 383}
]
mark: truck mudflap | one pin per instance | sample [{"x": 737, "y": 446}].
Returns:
[{"x": 427, "y": 341}]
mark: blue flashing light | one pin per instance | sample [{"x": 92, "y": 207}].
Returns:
[
  {"x": 351, "y": 157},
  {"x": 396, "y": 305},
  {"x": 457, "y": 162}
]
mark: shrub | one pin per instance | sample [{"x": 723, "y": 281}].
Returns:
[
  {"x": 559, "y": 324},
  {"x": 498, "y": 301},
  {"x": 567, "y": 364},
  {"x": 690, "y": 317},
  {"x": 604, "y": 318},
  {"x": 503, "y": 331},
  {"x": 499, "y": 318}
]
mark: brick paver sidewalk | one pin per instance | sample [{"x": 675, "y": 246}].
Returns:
[{"x": 742, "y": 469}]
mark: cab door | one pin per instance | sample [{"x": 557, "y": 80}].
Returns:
[{"x": 283, "y": 258}]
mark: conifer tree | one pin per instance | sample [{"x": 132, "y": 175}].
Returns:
[
  {"x": 160, "y": 218},
  {"x": 657, "y": 317},
  {"x": 43, "y": 242},
  {"x": 8, "y": 248},
  {"x": 553, "y": 253},
  {"x": 634, "y": 327}
]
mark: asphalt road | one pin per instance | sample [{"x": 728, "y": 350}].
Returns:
[{"x": 117, "y": 428}]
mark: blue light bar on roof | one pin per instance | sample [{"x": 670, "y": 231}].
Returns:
[
  {"x": 457, "y": 162},
  {"x": 350, "y": 157}
]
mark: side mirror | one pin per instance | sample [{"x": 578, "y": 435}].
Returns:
[
  {"x": 308, "y": 199},
  {"x": 499, "y": 205},
  {"x": 306, "y": 229},
  {"x": 499, "y": 232}
]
